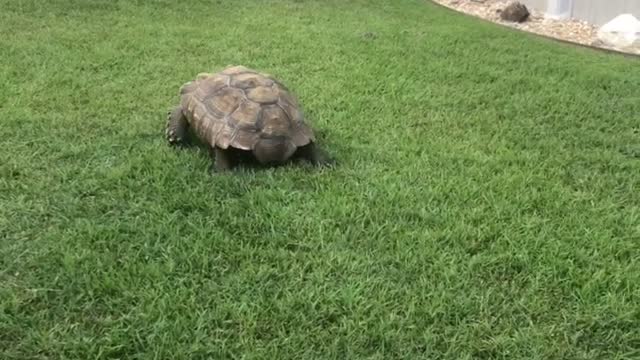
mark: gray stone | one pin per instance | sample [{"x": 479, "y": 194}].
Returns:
[{"x": 515, "y": 12}]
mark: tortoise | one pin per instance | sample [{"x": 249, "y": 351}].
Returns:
[{"x": 239, "y": 113}]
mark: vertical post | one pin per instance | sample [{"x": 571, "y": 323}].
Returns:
[{"x": 559, "y": 9}]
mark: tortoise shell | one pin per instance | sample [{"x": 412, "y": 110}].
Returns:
[{"x": 238, "y": 106}]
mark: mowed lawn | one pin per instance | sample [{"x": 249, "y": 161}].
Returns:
[{"x": 486, "y": 202}]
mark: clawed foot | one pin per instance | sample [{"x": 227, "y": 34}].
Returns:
[
  {"x": 176, "y": 128},
  {"x": 325, "y": 162},
  {"x": 321, "y": 159}
]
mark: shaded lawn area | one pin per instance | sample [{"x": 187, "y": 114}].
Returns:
[{"x": 486, "y": 202}]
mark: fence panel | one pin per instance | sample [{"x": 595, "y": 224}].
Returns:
[{"x": 597, "y": 12}]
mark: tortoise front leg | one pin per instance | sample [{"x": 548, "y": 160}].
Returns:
[
  {"x": 177, "y": 127},
  {"x": 315, "y": 155},
  {"x": 220, "y": 160}
]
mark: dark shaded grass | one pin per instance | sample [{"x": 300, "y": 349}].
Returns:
[{"x": 485, "y": 206}]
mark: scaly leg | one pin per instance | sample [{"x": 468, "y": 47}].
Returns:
[
  {"x": 220, "y": 160},
  {"x": 316, "y": 156},
  {"x": 177, "y": 127}
]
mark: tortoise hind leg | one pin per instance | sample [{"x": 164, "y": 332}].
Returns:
[{"x": 177, "y": 127}]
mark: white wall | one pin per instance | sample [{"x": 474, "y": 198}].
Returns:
[{"x": 597, "y": 12}]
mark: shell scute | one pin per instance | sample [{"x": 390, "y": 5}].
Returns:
[
  {"x": 264, "y": 94},
  {"x": 225, "y": 101},
  {"x": 237, "y": 106},
  {"x": 250, "y": 80}
]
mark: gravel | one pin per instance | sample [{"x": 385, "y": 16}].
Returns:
[{"x": 573, "y": 30}]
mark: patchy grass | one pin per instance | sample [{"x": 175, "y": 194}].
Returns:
[{"x": 486, "y": 205}]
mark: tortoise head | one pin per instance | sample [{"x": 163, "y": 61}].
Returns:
[{"x": 274, "y": 149}]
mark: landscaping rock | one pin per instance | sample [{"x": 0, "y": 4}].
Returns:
[
  {"x": 623, "y": 32},
  {"x": 515, "y": 12}
]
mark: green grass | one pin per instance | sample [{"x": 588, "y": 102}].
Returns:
[{"x": 486, "y": 204}]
